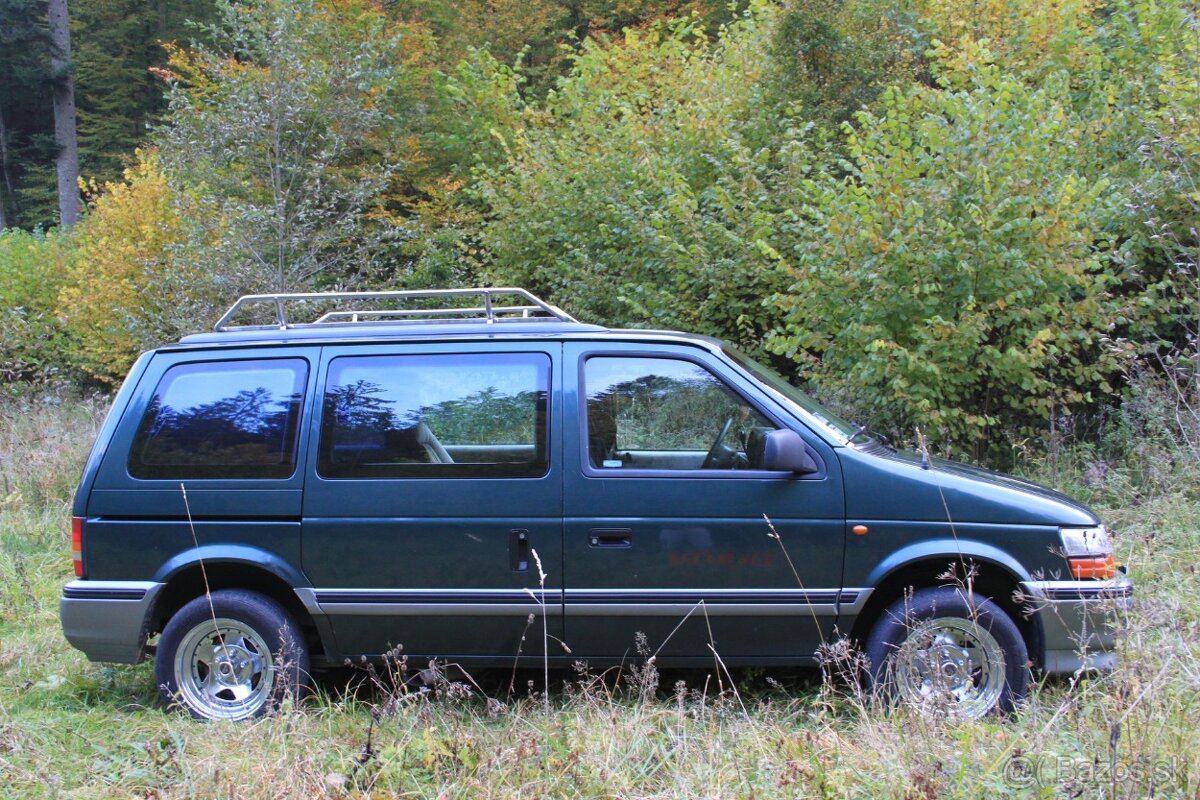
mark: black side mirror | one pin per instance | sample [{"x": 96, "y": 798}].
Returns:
[{"x": 784, "y": 451}]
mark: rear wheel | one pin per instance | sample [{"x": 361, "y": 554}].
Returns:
[
  {"x": 946, "y": 649},
  {"x": 233, "y": 659}
]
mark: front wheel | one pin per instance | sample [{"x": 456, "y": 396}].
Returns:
[
  {"x": 233, "y": 659},
  {"x": 944, "y": 648}
]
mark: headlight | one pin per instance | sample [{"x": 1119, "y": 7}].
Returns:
[
  {"x": 1086, "y": 542},
  {"x": 1089, "y": 553}
]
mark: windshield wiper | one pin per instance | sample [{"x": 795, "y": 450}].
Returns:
[{"x": 868, "y": 435}]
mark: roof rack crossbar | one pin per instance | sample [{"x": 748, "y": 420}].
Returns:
[{"x": 526, "y": 307}]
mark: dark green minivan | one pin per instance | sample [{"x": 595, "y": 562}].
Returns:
[{"x": 428, "y": 469}]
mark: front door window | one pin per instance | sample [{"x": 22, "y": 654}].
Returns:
[{"x": 668, "y": 414}]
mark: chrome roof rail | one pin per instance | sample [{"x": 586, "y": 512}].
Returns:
[{"x": 395, "y": 307}]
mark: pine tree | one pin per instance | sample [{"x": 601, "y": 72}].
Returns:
[{"x": 67, "y": 160}]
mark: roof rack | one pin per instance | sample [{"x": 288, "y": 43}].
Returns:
[{"x": 394, "y": 307}]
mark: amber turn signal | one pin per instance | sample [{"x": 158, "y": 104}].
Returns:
[
  {"x": 1093, "y": 568},
  {"x": 859, "y": 530}
]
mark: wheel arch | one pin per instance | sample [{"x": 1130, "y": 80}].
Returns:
[
  {"x": 989, "y": 577},
  {"x": 193, "y": 577}
]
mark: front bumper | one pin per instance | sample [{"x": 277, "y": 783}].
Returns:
[
  {"x": 107, "y": 619},
  {"x": 1079, "y": 621}
]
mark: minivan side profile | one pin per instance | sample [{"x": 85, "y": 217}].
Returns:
[{"x": 427, "y": 469}]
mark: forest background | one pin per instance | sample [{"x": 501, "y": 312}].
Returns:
[{"x": 975, "y": 216}]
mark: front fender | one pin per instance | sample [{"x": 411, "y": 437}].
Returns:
[{"x": 950, "y": 551}]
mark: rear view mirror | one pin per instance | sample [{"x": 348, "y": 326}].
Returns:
[{"x": 784, "y": 451}]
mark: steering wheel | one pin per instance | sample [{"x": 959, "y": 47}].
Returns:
[{"x": 719, "y": 456}]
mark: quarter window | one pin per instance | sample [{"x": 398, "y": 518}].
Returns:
[
  {"x": 666, "y": 413},
  {"x": 229, "y": 419},
  {"x": 468, "y": 415}
]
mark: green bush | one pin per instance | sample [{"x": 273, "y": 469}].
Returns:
[
  {"x": 32, "y": 270},
  {"x": 642, "y": 191},
  {"x": 960, "y": 277}
]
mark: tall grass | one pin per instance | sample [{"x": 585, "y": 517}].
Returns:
[
  {"x": 44, "y": 440},
  {"x": 74, "y": 729}
]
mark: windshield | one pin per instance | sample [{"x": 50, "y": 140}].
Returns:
[{"x": 839, "y": 428}]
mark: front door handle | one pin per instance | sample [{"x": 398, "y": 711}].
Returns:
[
  {"x": 518, "y": 550},
  {"x": 611, "y": 537}
]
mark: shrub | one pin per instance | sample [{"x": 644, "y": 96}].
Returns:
[
  {"x": 32, "y": 270},
  {"x": 958, "y": 277},
  {"x": 642, "y": 191},
  {"x": 128, "y": 287}
]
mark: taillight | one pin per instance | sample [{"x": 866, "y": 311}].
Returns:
[{"x": 77, "y": 545}]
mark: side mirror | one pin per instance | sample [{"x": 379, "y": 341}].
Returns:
[{"x": 784, "y": 451}]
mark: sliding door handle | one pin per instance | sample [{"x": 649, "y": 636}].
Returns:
[{"x": 518, "y": 550}]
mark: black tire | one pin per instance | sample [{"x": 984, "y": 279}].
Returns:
[
  {"x": 239, "y": 668},
  {"x": 943, "y": 648}
]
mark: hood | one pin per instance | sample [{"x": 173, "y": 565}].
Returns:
[{"x": 894, "y": 485}]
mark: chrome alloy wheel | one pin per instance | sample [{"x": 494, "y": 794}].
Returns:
[
  {"x": 951, "y": 662},
  {"x": 224, "y": 670}
]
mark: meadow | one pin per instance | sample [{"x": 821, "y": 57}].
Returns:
[{"x": 70, "y": 728}]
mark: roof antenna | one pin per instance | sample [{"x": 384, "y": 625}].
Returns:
[{"x": 922, "y": 448}]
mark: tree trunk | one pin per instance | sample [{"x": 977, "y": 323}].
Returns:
[
  {"x": 7, "y": 192},
  {"x": 64, "y": 113}
]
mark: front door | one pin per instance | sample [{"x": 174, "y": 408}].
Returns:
[
  {"x": 677, "y": 542},
  {"x": 431, "y": 497}
]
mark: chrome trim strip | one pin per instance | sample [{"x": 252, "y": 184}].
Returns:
[
  {"x": 852, "y": 601},
  {"x": 432, "y": 602},
  {"x": 703, "y": 608},
  {"x": 531, "y": 596},
  {"x": 583, "y": 602},
  {"x": 309, "y": 598},
  {"x": 135, "y": 590},
  {"x": 1114, "y": 589},
  {"x": 803, "y": 596},
  {"x": 440, "y": 609}
]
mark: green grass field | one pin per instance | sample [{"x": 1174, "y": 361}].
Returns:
[{"x": 69, "y": 728}]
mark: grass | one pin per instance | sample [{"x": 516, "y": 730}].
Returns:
[{"x": 69, "y": 728}]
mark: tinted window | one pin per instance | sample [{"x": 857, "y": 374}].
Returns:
[
  {"x": 435, "y": 416},
  {"x": 666, "y": 413},
  {"x": 231, "y": 419}
]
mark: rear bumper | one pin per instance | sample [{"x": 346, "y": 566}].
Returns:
[
  {"x": 1079, "y": 621},
  {"x": 107, "y": 619}
]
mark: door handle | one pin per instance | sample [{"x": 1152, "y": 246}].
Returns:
[
  {"x": 518, "y": 550},
  {"x": 610, "y": 537}
]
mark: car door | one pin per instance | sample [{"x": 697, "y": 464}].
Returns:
[
  {"x": 675, "y": 537},
  {"x": 432, "y": 496}
]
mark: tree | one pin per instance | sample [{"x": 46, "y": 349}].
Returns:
[
  {"x": 646, "y": 187},
  {"x": 61, "y": 70},
  {"x": 26, "y": 144},
  {"x": 294, "y": 121},
  {"x": 961, "y": 277},
  {"x": 4, "y": 174},
  {"x": 118, "y": 97}
]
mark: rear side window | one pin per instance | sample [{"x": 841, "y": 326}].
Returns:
[
  {"x": 452, "y": 415},
  {"x": 228, "y": 419}
]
